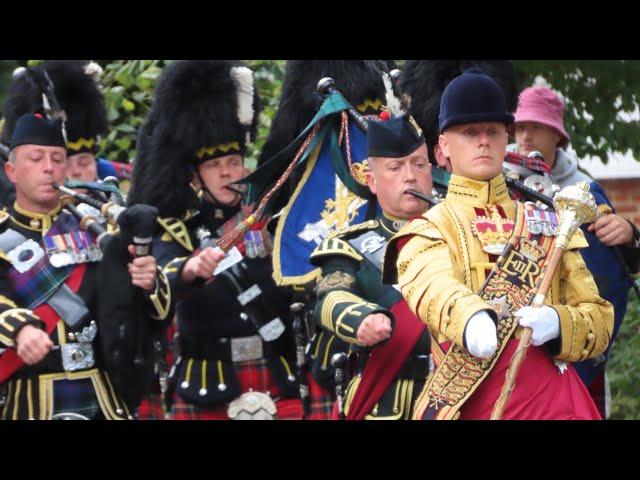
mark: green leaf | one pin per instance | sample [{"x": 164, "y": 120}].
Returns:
[
  {"x": 128, "y": 105},
  {"x": 123, "y": 143},
  {"x": 123, "y": 127}
]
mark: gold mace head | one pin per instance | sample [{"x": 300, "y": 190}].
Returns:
[{"x": 575, "y": 205}]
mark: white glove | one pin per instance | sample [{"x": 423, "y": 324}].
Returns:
[
  {"x": 480, "y": 335},
  {"x": 544, "y": 322}
]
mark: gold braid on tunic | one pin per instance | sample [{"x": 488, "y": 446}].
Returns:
[{"x": 442, "y": 266}]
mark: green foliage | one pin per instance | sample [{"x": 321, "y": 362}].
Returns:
[
  {"x": 595, "y": 93},
  {"x": 268, "y": 76},
  {"x": 128, "y": 91},
  {"x": 623, "y": 368}
]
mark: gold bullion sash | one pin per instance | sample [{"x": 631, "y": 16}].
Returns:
[{"x": 509, "y": 286}]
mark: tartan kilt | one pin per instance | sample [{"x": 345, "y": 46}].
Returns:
[
  {"x": 321, "y": 401},
  {"x": 151, "y": 408},
  {"x": 252, "y": 375}
]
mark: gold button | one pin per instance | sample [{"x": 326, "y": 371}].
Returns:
[
  {"x": 590, "y": 336},
  {"x": 585, "y": 353},
  {"x": 71, "y": 336}
]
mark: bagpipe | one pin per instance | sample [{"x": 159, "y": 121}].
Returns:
[
  {"x": 107, "y": 208},
  {"x": 129, "y": 337}
]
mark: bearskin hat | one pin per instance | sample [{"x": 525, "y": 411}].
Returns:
[
  {"x": 77, "y": 93},
  {"x": 423, "y": 81},
  {"x": 202, "y": 109},
  {"x": 360, "y": 81}
]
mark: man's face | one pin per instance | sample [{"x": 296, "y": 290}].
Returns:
[
  {"x": 476, "y": 150},
  {"x": 390, "y": 178},
  {"x": 219, "y": 172},
  {"x": 82, "y": 167},
  {"x": 33, "y": 170},
  {"x": 532, "y": 136}
]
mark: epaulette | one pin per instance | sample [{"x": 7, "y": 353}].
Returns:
[
  {"x": 176, "y": 230},
  {"x": 333, "y": 246},
  {"x": 368, "y": 225}
]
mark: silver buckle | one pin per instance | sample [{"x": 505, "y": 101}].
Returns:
[
  {"x": 246, "y": 348},
  {"x": 77, "y": 356},
  {"x": 25, "y": 255}
]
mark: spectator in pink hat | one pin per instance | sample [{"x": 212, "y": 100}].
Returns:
[{"x": 539, "y": 125}]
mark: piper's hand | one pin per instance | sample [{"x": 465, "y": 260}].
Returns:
[
  {"x": 202, "y": 265},
  {"x": 544, "y": 322},
  {"x": 143, "y": 271},
  {"x": 612, "y": 230},
  {"x": 32, "y": 344},
  {"x": 374, "y": 329},
  {"x": 481, "y": 336}
]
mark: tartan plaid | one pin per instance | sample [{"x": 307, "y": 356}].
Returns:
[
  {"x": 321, "y": 401},
  {"x": 253, "y": 375},
  {"x": 77, "y": 396},
  {"x": 535, "y": 164},
  {"x": 35, "y": 286},
  {"x": 151, "y": 408}
]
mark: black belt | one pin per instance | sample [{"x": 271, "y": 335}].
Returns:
[
  {"x": 52, "y": 363},
  {"x": 211, "y": 348}
]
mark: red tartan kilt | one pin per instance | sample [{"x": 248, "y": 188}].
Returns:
[
  {"x": 321, "y": 401},
  {"x": 151, "y": 408},
  {"x": 253, "y": 375}
]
